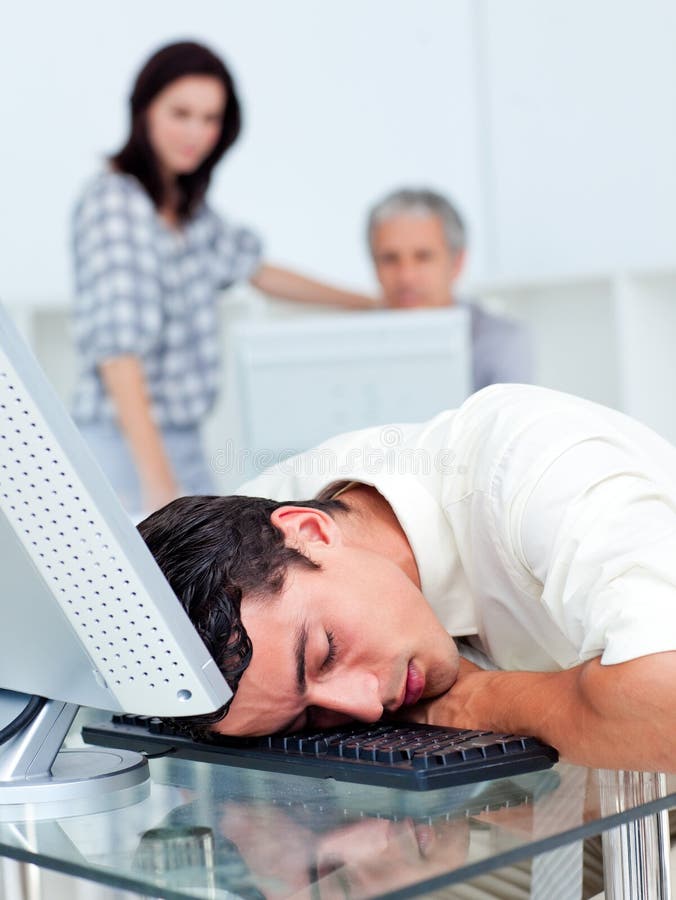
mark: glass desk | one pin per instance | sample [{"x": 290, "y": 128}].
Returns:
[{"x": 215, "y": 832}]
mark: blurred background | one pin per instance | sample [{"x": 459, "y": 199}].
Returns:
[{"x": 551, "y": 124}]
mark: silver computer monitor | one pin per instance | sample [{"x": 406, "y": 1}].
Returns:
[
  {"x": 299, "y": 381},
  {"x": 87, "y": 616}
]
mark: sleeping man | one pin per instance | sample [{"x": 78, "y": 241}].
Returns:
[{"x": 510, "y": 566}]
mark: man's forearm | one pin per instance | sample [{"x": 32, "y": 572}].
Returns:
[{"x": 620, "y": 716}]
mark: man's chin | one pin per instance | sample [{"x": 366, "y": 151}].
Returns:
[
  {"x": 442, "y": 685},
  {"x": 410, "y": 302}
]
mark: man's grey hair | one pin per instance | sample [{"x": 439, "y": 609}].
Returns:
[{"x": 412, "y": 202}]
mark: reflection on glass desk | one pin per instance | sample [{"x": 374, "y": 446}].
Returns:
[{"x": 211, "y": 831}]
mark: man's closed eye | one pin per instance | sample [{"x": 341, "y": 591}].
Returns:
[{"x": 331, "y": 654}]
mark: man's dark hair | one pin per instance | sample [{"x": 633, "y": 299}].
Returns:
[
  {"x": 214, "y": 551},
  {"x": 137, "y": 156}
]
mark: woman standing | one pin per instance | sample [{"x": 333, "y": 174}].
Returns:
[{"x": 150, "y": 259}]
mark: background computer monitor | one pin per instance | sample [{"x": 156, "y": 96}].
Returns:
[{"x": 297, "y": 382}]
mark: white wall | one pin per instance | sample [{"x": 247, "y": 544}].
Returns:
[
  {"x": 552, "y": 123},
  {"x": 342, "y": 102},
  {"x": 581, "y": 133}
]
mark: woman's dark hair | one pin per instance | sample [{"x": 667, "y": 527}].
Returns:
[
  {"x": 213, "y": 551},
  {"x": 137, "y": 156}
]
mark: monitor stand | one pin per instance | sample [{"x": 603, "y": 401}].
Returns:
[{"x": 40, "y": 780}]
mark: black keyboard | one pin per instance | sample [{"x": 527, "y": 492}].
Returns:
[{"x": 411, "y": 757}]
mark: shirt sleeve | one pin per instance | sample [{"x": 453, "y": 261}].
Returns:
[
  {"x": 238, "y": 252},
  {"x": 118, "y": 308},
  {"x": 598, "y": 530}
]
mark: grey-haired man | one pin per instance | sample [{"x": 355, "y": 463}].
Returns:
[{"x": 418, "y": 242}]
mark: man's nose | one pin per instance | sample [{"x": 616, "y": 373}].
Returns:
[
  {"x": 406, "y": 271},
  {"x": 353, "y": 696}
]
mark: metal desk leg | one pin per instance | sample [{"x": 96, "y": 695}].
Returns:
[{"x": 635, "y": 855}]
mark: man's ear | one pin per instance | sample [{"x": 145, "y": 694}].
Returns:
[
  {"x": 458, "y": 264},
  {"x": 305, "y": 528}
]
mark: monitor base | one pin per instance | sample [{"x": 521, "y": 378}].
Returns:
[
  {"x": 82, "y": 782},
  {"x": 39, "y": 779}
]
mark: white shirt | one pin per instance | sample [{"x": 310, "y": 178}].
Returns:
[{"x": 543, "y": 525}]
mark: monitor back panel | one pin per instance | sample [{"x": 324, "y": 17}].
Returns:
[
  {"x": 88, "y": 617},
  {"x": 302, "y": 381}
]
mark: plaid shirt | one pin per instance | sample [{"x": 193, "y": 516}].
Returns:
[{"x": 146, "y": 289}]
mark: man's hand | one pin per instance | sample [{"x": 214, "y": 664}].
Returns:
[{"x": 617, "y": 716}]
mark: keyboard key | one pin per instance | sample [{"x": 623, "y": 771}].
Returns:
[
  {"x": 349, "y": 749},
  {"x": 393, "y": 754}
]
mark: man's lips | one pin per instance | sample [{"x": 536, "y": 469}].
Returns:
[{"x": 415, "y": 685}]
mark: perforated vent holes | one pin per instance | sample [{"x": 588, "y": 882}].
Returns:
[{"x": 56, "y": 519}]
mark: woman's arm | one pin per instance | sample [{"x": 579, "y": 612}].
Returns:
[
  {"x": 615, "y": 716},
  {"x": 289, "y": 285},
  {"x": 125, "y": 381}
]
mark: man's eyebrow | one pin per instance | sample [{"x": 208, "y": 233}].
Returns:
[{"x": 300, "y": 645}]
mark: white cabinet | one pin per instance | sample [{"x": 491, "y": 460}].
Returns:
[{"x": 611, "y": 338}]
